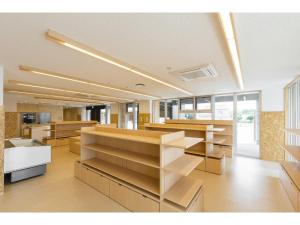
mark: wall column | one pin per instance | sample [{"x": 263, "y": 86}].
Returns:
[{"x": 1, "y": 133}]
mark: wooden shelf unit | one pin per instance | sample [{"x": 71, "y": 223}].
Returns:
[
  {"x": 138, "y": 167},
  {"x": 290, "y": 171},
  {"x": 204, "y": 149},
  {"x": 223, "y": 129},
  {"x": 62, "y": 130}
]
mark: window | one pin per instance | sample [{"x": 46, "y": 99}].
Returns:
[
  {"x": 103, "y": 116},
  {"x": 187, "y": 104},
  {"x": 203, "y": 103},
  {"x": 224, "y": 107},
  {"x": 293, "y": 111},
  {"x": 162, "y": 112},
  {"x": 172, "y": 109},
  {"x": 129, "y": 107},
  {"x": 203, "y": 116},
  {"x": 131, "y": 117},
  {"x": 186, "y": 116}
]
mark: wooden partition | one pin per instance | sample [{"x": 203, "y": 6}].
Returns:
[{"x": 145, "y": 171}]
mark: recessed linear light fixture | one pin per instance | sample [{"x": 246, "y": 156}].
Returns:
[
  {"x": 66, "y": 100},
  {"x": 75, "y": 45},
  {"x": 227, "y": 25},
  {"x": 77, "y": 80},
  {"x": 19, "y": 83},
  {"x": 58, "y": 96}
]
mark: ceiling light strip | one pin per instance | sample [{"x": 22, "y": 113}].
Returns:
[
  {"x": 65, "y": 90},
  {"x": 77, "y": 80},
  {"x": 65, "y": 41},
  {"x": 65, "y": 100},
  {"x": 227, "y": 26},
  {"x": 58, "y": 96}
]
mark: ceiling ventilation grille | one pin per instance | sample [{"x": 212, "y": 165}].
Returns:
[{"x": 190, "y": 74}]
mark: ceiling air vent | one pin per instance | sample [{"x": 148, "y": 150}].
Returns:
[{"x": 190, "y": 74}]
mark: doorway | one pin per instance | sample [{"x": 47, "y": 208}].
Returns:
[
  {"x": 131, "y": 116},
  {"x": 247, "y": 124}
]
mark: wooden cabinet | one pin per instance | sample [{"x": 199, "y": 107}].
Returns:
[
  {"x": 131, "y": 199},
  {"x": 126, "y": 166},
  {"x": 77, "y": 169},
  {"x": 118, "y": 192},
  {"x": 196, "y": 205},
  {"x": 202, "y": 166},
  {"x": 215, "y": 165},
  {"x": 141, "y": 203},
  {"x": 291, "y": 189}
]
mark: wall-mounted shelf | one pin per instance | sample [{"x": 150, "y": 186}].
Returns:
[
  {"x": 128, "y": 155},
  {"x": 184, "y": 165}
]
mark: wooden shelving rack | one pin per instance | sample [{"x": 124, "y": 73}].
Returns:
[
  {"x": 204, "y": 149},
  {"x": 62, "y": 130},
  {"x": 223, "y": 131},
  {"x": 145, "y": 171},
  {"x": 290, "y": 171}
]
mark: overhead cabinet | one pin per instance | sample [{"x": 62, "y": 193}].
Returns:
[{"x": 141, "y": 170}]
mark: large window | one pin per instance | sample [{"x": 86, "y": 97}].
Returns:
[
  {"x": 293, "y": 113},
  {"x": 203, "y": 103},
  {"x": 131, "y": 117},
  {"x": 187, "y": 104},
  {"x": 162, "y": 112},
  {"x": 224, "y": 107},
  {"x": 172, "y": 109}
]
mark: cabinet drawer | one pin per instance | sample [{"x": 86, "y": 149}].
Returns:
[
  {"x": 75, "y": 147},
  {"x": 118, "y": 193},
  {"x": 77, "y": 169},
  {"x": 100, "y": 183},
  {"x": 198, "y": 203},
  {"x": 215, "y": 165},
  {"x": 290, "y": 188},
  {"x": 226, "y": 149},
  {"x": 202, "y": 166},
  {"x": 141, "y": 203}
]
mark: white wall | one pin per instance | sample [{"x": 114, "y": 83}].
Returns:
[
  {"x": 10, "y": 103},
  {"x": 144, "y": 106},
  {"x": 273, "y": 99}
]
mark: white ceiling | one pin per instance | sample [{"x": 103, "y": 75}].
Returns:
[
  {"x": 268, "y": 45},
  {"x": 269, "y": 48}
]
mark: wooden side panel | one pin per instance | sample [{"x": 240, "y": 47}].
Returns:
[
  {"x": 114, "y": 118},
  {"x": 271, "y": 136}
]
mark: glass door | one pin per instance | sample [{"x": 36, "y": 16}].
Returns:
[
  {"x": 247, "y": 124},
  {"x": 131, "y": 117}
]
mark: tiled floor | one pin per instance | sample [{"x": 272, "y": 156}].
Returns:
[{"x": 247, "y": 185}]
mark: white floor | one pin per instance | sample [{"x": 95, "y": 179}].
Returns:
[{"x": 248, "y": 185}]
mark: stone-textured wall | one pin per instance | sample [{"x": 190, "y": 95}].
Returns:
[
  {"x": 1, "y": 149},
  {"x": 11, "y": 125},
  {"x": 271, "y": 136}
]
